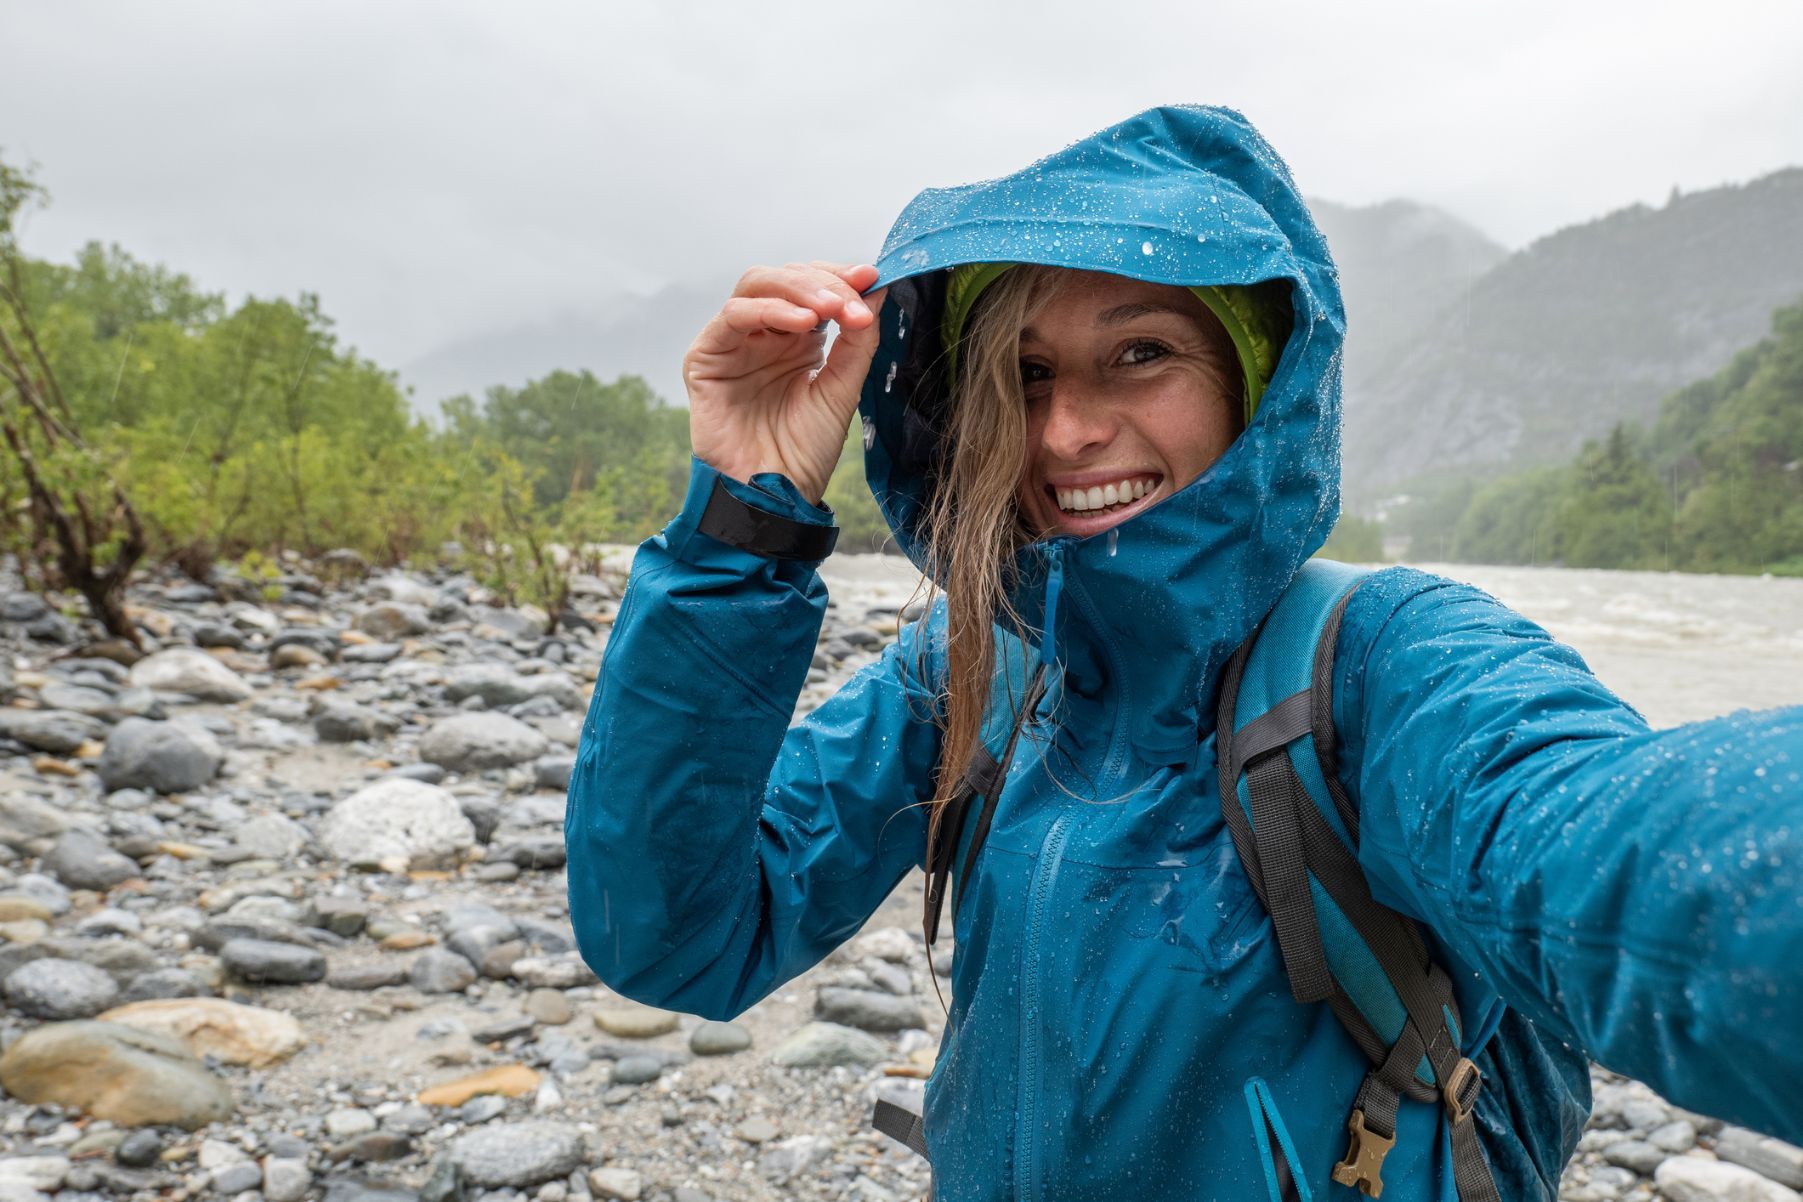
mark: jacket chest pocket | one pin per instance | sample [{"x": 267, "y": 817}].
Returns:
[{"x": 1194, "y": 915}]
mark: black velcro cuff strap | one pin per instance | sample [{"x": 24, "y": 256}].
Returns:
[{"x": 749, "y": 528}]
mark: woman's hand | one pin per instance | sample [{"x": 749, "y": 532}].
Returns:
[{"x": 763, "y": 397}]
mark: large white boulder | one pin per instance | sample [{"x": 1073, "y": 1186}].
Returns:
[{"x": 397, "y": 824}]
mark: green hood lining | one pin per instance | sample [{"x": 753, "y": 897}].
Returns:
[{"x": 1256, "y": 317}]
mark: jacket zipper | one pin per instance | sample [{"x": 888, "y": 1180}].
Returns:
[
  {"x": 1045, "y": 873},
  {"x": 1026, "y": 1157}
]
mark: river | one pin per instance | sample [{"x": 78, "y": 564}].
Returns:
[{"x": 1677, "y": 646}]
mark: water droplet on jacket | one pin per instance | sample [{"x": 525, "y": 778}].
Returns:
[
  {"x": 1145, "y": 248},
  {"x": 889, "y": 380}
]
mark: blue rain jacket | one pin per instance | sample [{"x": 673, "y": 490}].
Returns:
[{"x": 1121, "y": 1025}]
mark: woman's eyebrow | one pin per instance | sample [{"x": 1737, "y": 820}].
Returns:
[{"x": 1121, "y": 314}]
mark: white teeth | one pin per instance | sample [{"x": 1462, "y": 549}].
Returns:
[{"x": 1082, "y": 500}]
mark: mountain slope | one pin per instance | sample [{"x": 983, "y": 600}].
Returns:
[{"x": 1586, "y": 328}]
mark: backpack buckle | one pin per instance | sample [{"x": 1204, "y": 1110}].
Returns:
[
  {"x": 1363, "y": 1166},
  {"x": 1461, "y": 1089}
]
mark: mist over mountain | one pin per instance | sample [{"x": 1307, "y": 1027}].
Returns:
[
  {"x": 1585, "y": 328},
  {"x": 623, "y": 335},
  {"x": 1400, "y": 264}
]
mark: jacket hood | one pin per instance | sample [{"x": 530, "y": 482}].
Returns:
[{"x": 1149, "y": 611}]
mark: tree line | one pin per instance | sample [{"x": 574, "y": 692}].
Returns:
[{"x": 1714, "y": 485}]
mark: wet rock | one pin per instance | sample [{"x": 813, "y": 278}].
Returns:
[
  {"x": 867, "y": 1009},
  {"x": 271, "y": 837},
  {"x": 361, "y": 1189},
  {"x": 1692, "y": 1179},
  {"x": 44, "y": 1174},
  {"x": 507, "y": 1080},
  {"x": 518, "y": 1154},
  {"x": 347, "y": 1121},
  {"x": 616, "y": 1185},
  {"x": 719, "y": 1039},
  {"x": 265, "y": 961},
  {"x": 168, "y": 757},
  {"x": 164, "y": 983},
  {"x": 393, "y": 621},
  {"x": 553, "y": 771},
  {"x": 397, "y": 822},
  {"x": 756, "y": 1130},
  {"x": 140, "y": 1149},
  {"x": 286, "y": 1179},
  {"x": 55, "y": 731},
  {"x": 233, "y": 1179},
  {"x": 59, "y": 989},
  {"x": 218, "y": 634},
  {"x": 475, "y": 742},
  {"x": 549, "y": 1006},
  {"x": 343, "y": 916},
  {"x": 345, "y": 722},
  {"x": 1772, "y": 1158},
  {"x": 317, "y": 639},
  {"x": 636, "y": 1070},
  {"x": 629, "y": 1020},
  {"x": 440, "y": 971},
  {"x": 375, "y": 974},
  {"x": 129, "y": 1077},
  {"x": 548, "y": 852},
  {"x": 824, "y": 1045},
  {"x": 371, "y": 653},
  {"x": 375, "y": 1146},
  {"x": 190, "y": 672},
  {"x": 27, "y": 823},
  {"x": 82, "y": 860},
  {"x": 783, "y": 1160},
  {"x": 552, "y": 972},
  {"x": 1634, "y": 1154},
  {"x": 1676, "y": 1136},
  {"x": 296, "y": 655},
  {"x": 228, "y": 1031}
]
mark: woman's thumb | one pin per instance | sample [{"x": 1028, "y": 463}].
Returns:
[{"x": 842, "y": 375}]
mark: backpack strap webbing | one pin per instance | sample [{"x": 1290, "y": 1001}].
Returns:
[
  {"x": 1296, "y": 832},
  {"x": 900, "y": 1124}
]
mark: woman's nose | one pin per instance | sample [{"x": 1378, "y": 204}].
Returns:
[{"x": 1076, "y": 421}]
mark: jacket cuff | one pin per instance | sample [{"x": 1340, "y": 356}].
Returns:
[{"x": 767, "y": 518}]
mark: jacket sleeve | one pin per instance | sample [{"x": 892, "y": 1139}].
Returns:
[
  {"x": 714, "y": 850},
  {"x": 1637, "y": 894}
]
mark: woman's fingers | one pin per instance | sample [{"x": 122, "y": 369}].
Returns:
[
  {"x": 824, "y": 291},
  {"x": 743, "y": 316}
]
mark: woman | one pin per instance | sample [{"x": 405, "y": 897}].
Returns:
[{"x": 1121, "y": 1020}]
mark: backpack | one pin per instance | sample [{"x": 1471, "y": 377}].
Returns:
[{"x": 1296, "y": 832}]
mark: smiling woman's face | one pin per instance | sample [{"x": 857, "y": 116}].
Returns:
[{"x": 1129, "y": 397}]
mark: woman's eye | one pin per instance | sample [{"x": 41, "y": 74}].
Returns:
[
  {"x": 1144, "y": 351},
  {"x": 1033, "y": 373}
]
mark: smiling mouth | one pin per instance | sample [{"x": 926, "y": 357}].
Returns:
[{"x": 1103, "y": 499}]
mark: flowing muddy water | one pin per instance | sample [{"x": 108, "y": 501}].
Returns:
[{"x": 1678, "y": 647}]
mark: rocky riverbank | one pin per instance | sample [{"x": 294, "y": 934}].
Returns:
[{"x": 282, "y": 916}]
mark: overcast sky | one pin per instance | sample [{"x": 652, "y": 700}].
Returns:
[{"x": 436, "y": 170}]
